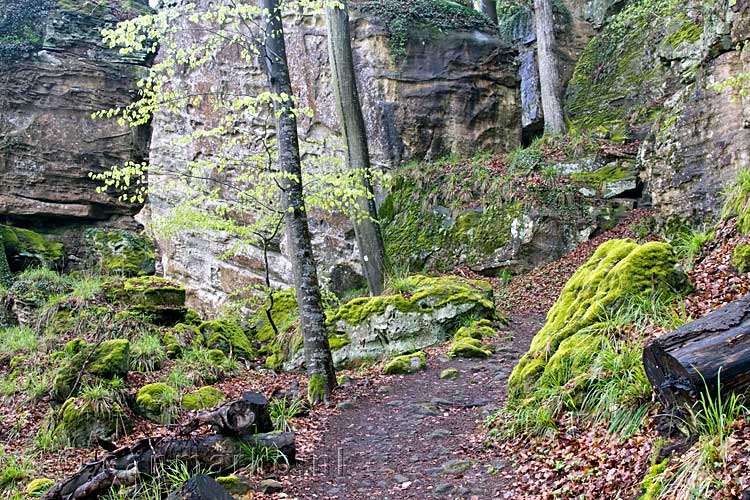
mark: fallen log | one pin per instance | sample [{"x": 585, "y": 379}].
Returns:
[
  {"x": 224, "y": 451},
  {"x": 698, "y": 356}
]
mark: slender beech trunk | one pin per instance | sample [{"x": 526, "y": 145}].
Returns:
[
  {"x": 549, "y": 76},
  {"x": 322, "y": 377},
  {"x": 366, "y": 226},
  {"x": 488, "y": 8}
]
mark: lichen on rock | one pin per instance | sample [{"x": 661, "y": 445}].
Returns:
[{"x": 568, "y": 341}]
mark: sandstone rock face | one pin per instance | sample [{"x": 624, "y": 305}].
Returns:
[
  {"x": 50, "y": 142},
  {"x": 697, "y": 149},
  {"x": 452, "y": 93},
  {"x": 694, "y": 137}
]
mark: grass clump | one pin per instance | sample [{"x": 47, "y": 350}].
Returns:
[
  {"x": 282, "y": 410},
  {"x": 147, "y": 353},
  {"x": 737, "y": 201}
]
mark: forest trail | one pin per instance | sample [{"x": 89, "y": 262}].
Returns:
[{"x": 417, "y": 436}]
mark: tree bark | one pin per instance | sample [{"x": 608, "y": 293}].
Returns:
[
  {"x": 488, "y": 8},
  {"x": 318, "y": 359},
  {"x": 549, "y": 76},
  {"x": 694, "y": 358},
  {"x": 366, "y": 226}
]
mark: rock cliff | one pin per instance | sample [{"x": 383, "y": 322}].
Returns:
[
  {"x": 454, "y": 92},
  {"x": 49, "y": 141}
]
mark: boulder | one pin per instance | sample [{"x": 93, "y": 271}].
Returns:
[
  {"x": 408, "y": 363},
  {"x": 570, "y": 339},
  {"x": 161, "y": 298},
  {"x": 158, "y": 402},
  {"x": 89, "y": 363},
  {"x": 82, "y": 424},
  {"x": 427, "y": 311},
  {"x": 200, "y": 487},
  {"x": 25, "y": 248}
]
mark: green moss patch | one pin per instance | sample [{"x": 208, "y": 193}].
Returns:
[
  {"x": 421, "y": 294},
  {"x": 81, "y": 424},
  {"x": 38, "y": 487},
  {"x": 618, "y": 270},
  {"x": 408, "y": 363},
  {"x": 26, "y": 248},
  {"x": 227, "y": 337},
  {"x": 741, "y": 257},
  {"x": 205, "y": 397},
  {"x": 157, "y": 402},
  {"x": 87, "y": 363}
]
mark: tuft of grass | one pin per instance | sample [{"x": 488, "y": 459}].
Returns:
[
  {"x": 86, "y": 288},
  {"x": 256, "y": 458},
  {"x": 688, "y": 244},
  {"x": 147, "y": 353},
  {"x": 13, "y": 470},
  {"x": 282, "y": 410},
  {"x": 18, "y": 340},
  {"x": 737, "y": 200},
  {"x": 104, "y": 397},
  {"x": 619, "y": 391}
]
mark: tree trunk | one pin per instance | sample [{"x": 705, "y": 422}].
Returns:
[
  {"x": 549, "y": 76},
  {"x": 488, "y": 8},
  {"x": 366, "y": 226},
  {"x": 318, "y": 359},
  {"x": 694, "y": 358}
]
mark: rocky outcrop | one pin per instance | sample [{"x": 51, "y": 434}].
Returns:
[
  {"x": 649, "y": 74},
  {"x": 702, "y": 137},
  {"x": 49, "y": 141},
  {"x": 453, "y": 93},
  {"x": 427, "y": 311}
]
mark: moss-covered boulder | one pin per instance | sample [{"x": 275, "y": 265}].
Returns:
[
  {"x": 25, "y": 248},
  {"x": 87, "y": 363},
  {"x": 570, "y": 338},
  {"x": 467, "y": 347},
  {"x": 741, "y": 258},
  {"x": 157, "y": 402},
  {"x": 120, "y": 252},
  {"x": 427, "y": 311},
  {"x": 80, "y": 423},
  {"x": 205, "y": 397},
  {"x": 38, "y": 487},
  {"x": 160, "y": 298},
  {"x": 227, "y": 337},
  {"x": 407, "y": 363},
  {"x": 6, "y": 277}
]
